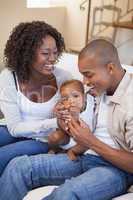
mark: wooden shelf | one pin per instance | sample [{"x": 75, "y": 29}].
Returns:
[{"x": 127, "y": 24}]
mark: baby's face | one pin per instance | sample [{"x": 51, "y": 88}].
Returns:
[{"x": 72, "y": 97}]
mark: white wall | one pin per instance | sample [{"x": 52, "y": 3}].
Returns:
[
  {"x": 75, "y": 25},
  {"x": 71, "y": 22}
]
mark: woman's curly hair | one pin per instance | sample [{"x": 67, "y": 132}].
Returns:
[{"x": 23, "y": 42}]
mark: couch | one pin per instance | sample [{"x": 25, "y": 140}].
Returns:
[{"x": 69, "y": 62}]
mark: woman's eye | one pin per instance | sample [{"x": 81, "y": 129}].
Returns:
[
  {"x": 48, "y": 54},
  {"x": 45, "y": 53}
]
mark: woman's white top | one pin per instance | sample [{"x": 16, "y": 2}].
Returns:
[{"x": 25, "y": 118}]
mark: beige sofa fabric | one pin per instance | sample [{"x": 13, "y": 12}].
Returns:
[
  {"x": 128, "y": 196},
  {"x": 39, "y": 193}
]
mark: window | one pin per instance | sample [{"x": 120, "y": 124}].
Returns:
[{"x": 44, "y": 3}]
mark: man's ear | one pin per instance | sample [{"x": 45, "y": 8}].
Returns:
[{"x": 111, "y": 67}]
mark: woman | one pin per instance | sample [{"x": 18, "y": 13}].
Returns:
[{"x": 29, "y": 89}]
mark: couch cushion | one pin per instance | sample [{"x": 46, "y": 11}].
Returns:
[
  {"x": 131, "y": 189},
  {"x": 39, "y": 193},
  {"x": 128, "y": 196}
]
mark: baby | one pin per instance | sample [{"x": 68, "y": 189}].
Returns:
[{"x": 74, "y": 100}]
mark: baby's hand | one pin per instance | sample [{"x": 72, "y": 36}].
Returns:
[
  {"x": 61, "y": 112},
  {"x": 67, "y": 104},
  {"x": 58, "y": 107}
]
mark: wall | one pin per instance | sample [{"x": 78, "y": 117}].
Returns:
[
  {"x": 13, "y": 11},
  {"x": 45, "y": 3},
  {"x": 75, "y": 25},
  {"x": 71, "y": 23},
  {"x": 124, "y": 37}
]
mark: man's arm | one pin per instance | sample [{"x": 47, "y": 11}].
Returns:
[{"x": 84, "y": 136}]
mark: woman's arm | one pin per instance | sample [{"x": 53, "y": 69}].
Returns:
[
  {"x": 20, "y": 128},
  {"x": 8, "y": 104}
]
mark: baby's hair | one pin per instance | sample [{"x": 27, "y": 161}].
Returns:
[{"x": 74, "y": 82}]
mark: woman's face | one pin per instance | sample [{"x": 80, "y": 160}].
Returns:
[{"x": 46, "y": 56}]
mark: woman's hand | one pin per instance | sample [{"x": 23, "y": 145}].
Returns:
[
  {"x": 63, "y": 116},
  {"x": 81, "y": 132},
  {"x": 61, "y": 112}
]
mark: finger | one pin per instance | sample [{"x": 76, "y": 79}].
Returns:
[
  {"x": 63, "y": 116},
  {"x": 75, "y": 108},
  {"x": 63, "y": 124},
  {"x": 59, "y": 106},
  {"x": 83, "y": 124},
  {"x": 75, "y": 124},
  {"x": 72, "y": 130},
  {"x": 63, "y": 112}
]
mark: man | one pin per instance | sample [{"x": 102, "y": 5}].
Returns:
[{"x": 106, "y": 170}]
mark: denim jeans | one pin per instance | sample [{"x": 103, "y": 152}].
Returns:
[
  {"x": 6, "y": 138},
  {"x": 88, "y": 178},
  {"x": 11, "y": 147}
]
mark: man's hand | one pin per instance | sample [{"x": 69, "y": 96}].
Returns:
[
  {"x": 62, "y": 124},
  {"x": 81, "y": 132}
]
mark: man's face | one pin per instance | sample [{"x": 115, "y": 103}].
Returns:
[{"x": 97, "y": 77}]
